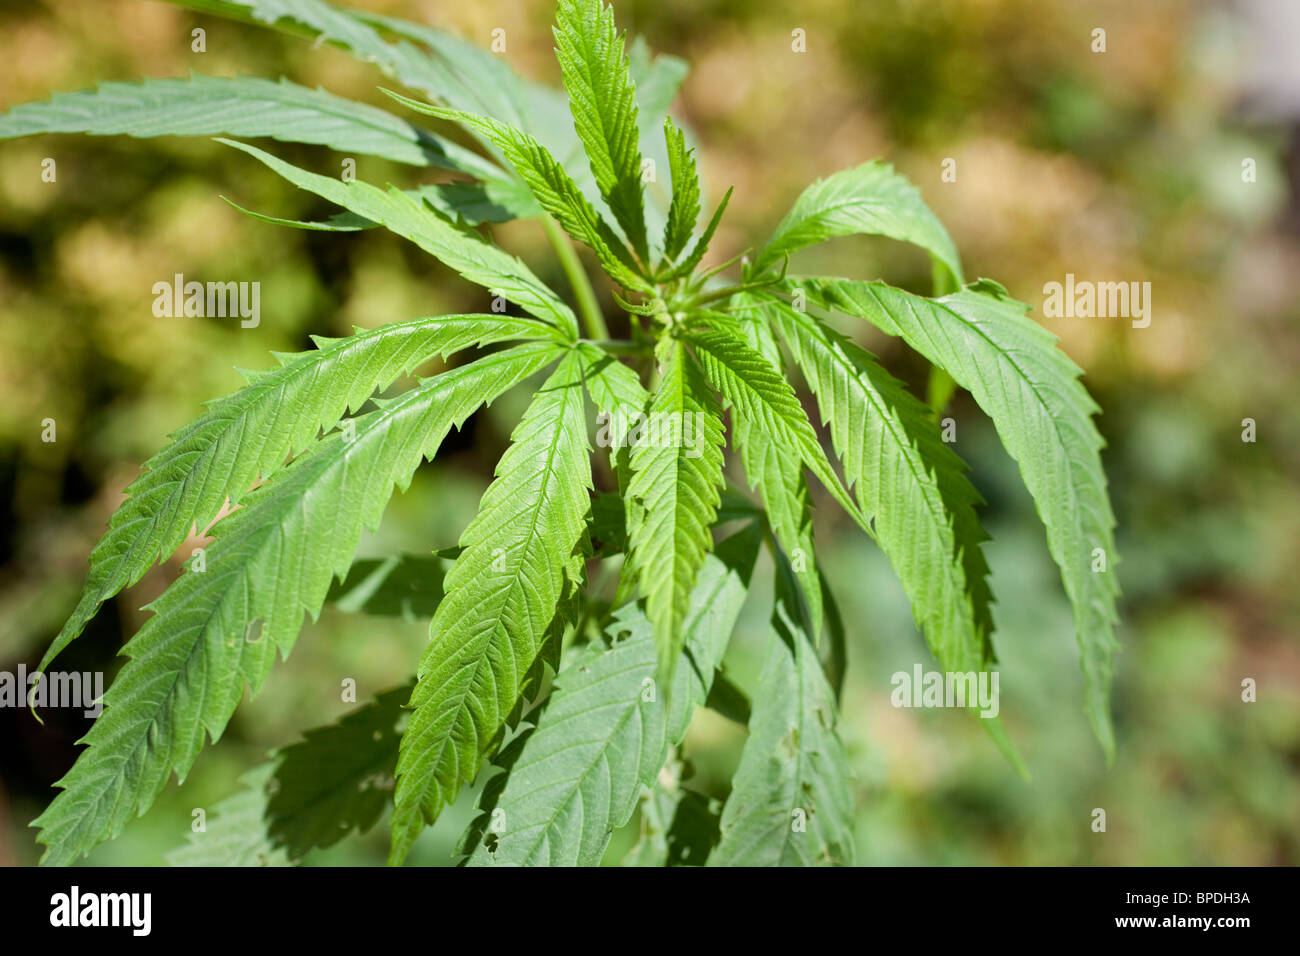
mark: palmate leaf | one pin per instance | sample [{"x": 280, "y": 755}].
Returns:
[
  {"x": 216, "y": 630},
  {"x": 603, "y": 103},
  {"x": 241, "y": 106},
  {"x": 501, "y": 597},
  {"x": 790, "y": 803},
  {"x": 870, "y": 199},
  {"x": 469, "y": 254},
  {"x": 554, "y": 189},
  {"x": 1043, "y": 415},
  {"x": 911, "y": 484},
  {"x": 672, "y": 497},
  {"x": 247, "y": 436},
  {"x": 607, "y": 728}
]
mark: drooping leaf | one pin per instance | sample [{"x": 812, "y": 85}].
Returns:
[
  {"x": 241, "y": 106},
  {"x": 908, "y": 481},
  {"x": 217, "y": 630},
  {"x": 450, "y": 74},
  {"x": 554, "y": 189},
  {"x": 247, "y": 436},
  {"x": 606, "y": 729},
  {"x": 872, "y": 199},
  {"x": 465, "y": 75},
  {"x": 470, "y": 204},
  {"x": 501, "y": 596},
  {"x": 458, "y": 72},
  {"x": 672, "y": 497},
  {"x": 1043, "y": 414},
  {"x": 775, "y": 469},
  {"x": 603, "y": 104},
  {"x": 469, "y": 254},
  {"x": 790, "y": 803}
]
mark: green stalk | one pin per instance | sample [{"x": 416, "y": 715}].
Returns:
[{"x": 593, "y": 320}]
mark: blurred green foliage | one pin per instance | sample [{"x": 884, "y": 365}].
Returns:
[{"x": 1123, "y": 165}]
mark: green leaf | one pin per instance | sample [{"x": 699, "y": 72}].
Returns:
[
  {"x": 1043, "y": 415},
  {"x": 679, "y": 827},
  {"x": 334, "y": 782},
  {"x": 460, "y": 73},
  {"x": 502, "y": 594},
  {"x": 469, "y": 254},
  {"x": 338, "y": 779},
  {"x": 470, "y": 204},
  {"x": 672, "y": 497},
  {"x": 449, "y": 75},
  {"x": 468, "y": 76},
  {"x": 616, "y": 391},
  {"x": 606, "y": 729},
  {"x": 554, "y": 189},
  {"x": 657, "y": 80},
  {"x": 766, "y": 403},
  {"x": 241, "y": 106},
  {"x": 871, "y": 199},
  {"x": 790, "y": 803},
  {"x": 685, "y": 208},
  {"x": 603, "y": 102},
  {"x": 408, "y": 586},
  {"x": 775, "y": 468},
  {"x": 217, "y": 629},
  {"x": 912, "y": 485},
  {"x": 246, "y": 436},
  {"x": 235, "y": 833},
  {"x": 687, "y": 265}
]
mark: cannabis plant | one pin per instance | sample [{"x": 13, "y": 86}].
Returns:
[{"x": 579, "y": 696}]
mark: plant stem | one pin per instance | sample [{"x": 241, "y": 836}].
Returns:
[{"x": 593, "y": 320}]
